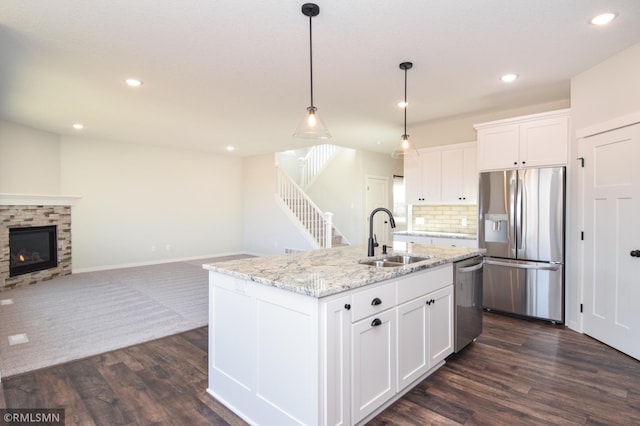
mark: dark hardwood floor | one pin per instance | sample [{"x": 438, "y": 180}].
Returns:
[{"x": 517, "y": 373}]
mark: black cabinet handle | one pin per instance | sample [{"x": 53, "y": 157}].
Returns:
[
  {"x": 635, "y": 253},
  {"x": 524, "y": 162},
  {"x": 347, "y": 306},
  {"x": 430, "y": 301},
  {"x": 515, "y": 162},
  {"x": 376, "y": 302},
  {"x": 376, "y": 322}
]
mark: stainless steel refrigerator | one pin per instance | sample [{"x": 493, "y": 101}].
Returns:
[{"x": 521, "y": 224}]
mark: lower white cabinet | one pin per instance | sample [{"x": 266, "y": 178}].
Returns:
[
  {"x": 373, "y": 352},
  {"x": 278, "y": 357}
]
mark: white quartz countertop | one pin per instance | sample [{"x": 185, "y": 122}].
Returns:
[
  {"x": 438, "y": 234},
  {"x": 323, "y": 272}
]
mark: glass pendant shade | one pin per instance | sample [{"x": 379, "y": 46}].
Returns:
[
  {"x": 312, "y": 126},
  {"x": 405, "y": 149}
]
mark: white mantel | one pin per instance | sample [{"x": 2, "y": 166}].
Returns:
[{"x": 7, "y": 199}]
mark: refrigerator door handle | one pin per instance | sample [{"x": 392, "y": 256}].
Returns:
[
  {"x": 519, "y": 212},
  {"x": 471, "y": 268},
  {"x": 523, "y": 265}
]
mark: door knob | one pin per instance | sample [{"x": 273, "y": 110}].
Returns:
[{"x": 635, "y": 253}]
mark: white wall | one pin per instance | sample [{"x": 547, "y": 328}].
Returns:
[
  {"x": 29, "y": 160},
  {"x": 146, "y": 204},
  {"x": 459, "y": 130},
  {"x": 340, "y": 188},
  {"x": 607, "y": 91},
  {"x": 267, "y": 229}
]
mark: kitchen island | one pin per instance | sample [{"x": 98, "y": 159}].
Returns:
[{"x": 318, "y": 338}]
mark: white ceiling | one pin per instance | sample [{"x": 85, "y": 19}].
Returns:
[{"x": 234, "y": 72}]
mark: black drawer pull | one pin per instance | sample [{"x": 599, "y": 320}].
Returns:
[
  {"x": 376, "y": 301},
  {"x": 376, "y": 322},
  {"x": 347, "y": 306}
]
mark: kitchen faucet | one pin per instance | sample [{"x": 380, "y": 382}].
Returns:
[{"x": 371, "y": 242}]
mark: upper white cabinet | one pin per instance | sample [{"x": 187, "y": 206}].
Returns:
[
  {"x": 528, "y": 141},
  {"x": 443, "y": 175}
]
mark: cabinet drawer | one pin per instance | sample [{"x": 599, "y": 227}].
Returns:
[
  {"x": 372, "y": 301},
  {"x": 416, "y": 285}
]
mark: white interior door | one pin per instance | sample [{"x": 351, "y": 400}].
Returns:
[
  {"x": 612, "y": 235},
  {"x": 377, "y": 195}
]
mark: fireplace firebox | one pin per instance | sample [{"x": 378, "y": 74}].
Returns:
[{"x": 32, "y": 249}]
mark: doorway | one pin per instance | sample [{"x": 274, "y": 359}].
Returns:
[{"x": 377, "y": 195}]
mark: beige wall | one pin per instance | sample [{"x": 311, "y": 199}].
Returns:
[
  {"x": 459, "y": 130},
  {"x": 134, "y": 197},
  {"x": 29, "y": 160},
  {"x": 607, "y": 91}
]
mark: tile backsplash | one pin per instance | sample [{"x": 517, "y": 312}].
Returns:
[{"x": 445, "y": 218}]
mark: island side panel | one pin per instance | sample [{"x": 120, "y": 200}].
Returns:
[{"x": 263, "y": 351}]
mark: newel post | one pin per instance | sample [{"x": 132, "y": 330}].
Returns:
[{"x": 328, "y": 223}]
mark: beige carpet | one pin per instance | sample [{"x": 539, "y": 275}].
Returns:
[{"x": 86, "y": 314}]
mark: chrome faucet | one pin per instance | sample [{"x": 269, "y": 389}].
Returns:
[{"x": 372, "y": 243}]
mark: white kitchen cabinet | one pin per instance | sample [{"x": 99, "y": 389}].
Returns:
[
  {"x": 442, "y": 175},
  {"x": 281, "y": 357},
  {"x": 528, "y": 141},
  {"x": 459, "y": 177},
  {"x": 422, "y": 345},
  {"x": 337, "y": 393},
  {"x": 440, "y": 322},
  {"x": 373, "y": 352},
  {"x": 422, "y": 178}
]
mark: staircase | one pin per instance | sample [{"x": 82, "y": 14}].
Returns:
[
  {"x": 314, "y": 162},
  {"x": 315, "y": 224}
]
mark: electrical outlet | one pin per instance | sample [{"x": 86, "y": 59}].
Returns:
[
  {"x": 463, "y": 222},
  {"x": 167, "y": 247},
  {"x": 153, "y": 248},
  {"x": 419, "y": 220}
]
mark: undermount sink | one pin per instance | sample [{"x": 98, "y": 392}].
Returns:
[{"x": 393, "y": 261}]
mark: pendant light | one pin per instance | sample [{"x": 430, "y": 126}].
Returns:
[
  {"x": 405, "y": 147},
  {"x": 312, "y": 126}
]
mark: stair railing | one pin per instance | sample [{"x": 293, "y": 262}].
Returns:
[
  {"x": 318, "y": 225},
  {"x": 315, "y": 160}
]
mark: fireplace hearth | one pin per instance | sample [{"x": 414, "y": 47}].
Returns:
[{"x": 32, "y": 249}]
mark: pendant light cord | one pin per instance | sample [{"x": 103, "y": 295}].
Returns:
[
  {"x": 311, "y": 59},
  {"x": 405, "y": 102}
]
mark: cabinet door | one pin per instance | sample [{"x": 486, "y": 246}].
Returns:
[
  {"x": 440, "y": 324},
  {"x": 373, "y": 363},
  {"x": 337, "y": 370},
  {"x": 451, "y": 177},
  {"x": 470, "y": 177},
  {"x": 544, "y": 142},
  {"x": 431, "y": 176},
  {"x": 413, "y": 355},
  {"x": 413, "y": 180},
  {"x": 498, "y": 147}
]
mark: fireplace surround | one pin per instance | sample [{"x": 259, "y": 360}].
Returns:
[{"x": 31, "y": 211}]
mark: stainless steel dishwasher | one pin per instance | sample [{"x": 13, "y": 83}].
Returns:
[{"x": 467, "y": 277}]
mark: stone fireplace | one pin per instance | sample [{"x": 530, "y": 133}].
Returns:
[{"x": 28, "y": 223}]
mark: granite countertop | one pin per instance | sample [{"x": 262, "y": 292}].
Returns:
[
  {"x": 438, "y": 234},
  {"x": 323, "y": 272}
]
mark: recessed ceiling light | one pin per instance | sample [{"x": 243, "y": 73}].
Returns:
[
  {"x": 508, "y": 78},
  {"x": 133, "y": 82},
  {"x": 78, "y": 126},
  {"x": 230, "y": 148},
  {"x": 403, "y": 104},
  {"x": 603, "y": 19}
]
